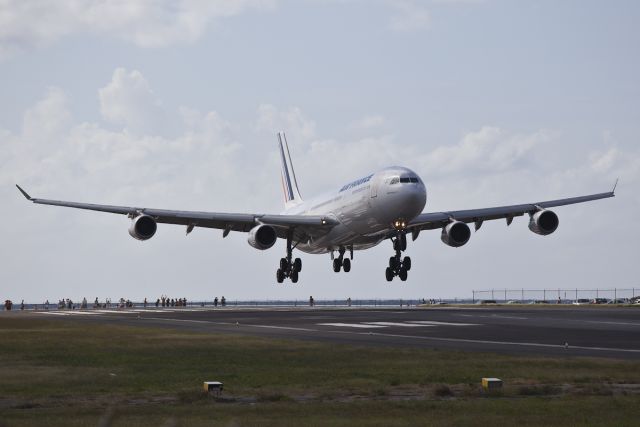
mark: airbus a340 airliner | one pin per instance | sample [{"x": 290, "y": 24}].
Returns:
[{"x": 386, "y": 204}]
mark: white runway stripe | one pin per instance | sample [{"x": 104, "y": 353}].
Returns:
[
  {"x": 351, "y": 325},
  {"x": 404, "y": 325},
  {"x": 436, "y": 323}
]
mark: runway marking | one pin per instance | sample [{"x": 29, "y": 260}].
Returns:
[
  {"x": 493, "y": 316},
  {"x": 405, "y": 325},
  {"x": 68, "y": 313},
  {"x": 524, "y": 344},
  {"x": 609, "y": 323},
  {"x": 436, "y": 323},
  {"x": 352, "y": 325},
  {"x": 281, "y": 327}
]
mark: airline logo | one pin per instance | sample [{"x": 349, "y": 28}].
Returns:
[{"x": 356, "y": 183}]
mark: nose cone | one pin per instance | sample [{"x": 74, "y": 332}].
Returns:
[{"x": 413, "y": 201}]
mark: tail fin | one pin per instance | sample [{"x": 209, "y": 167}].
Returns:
[{"x": 289, "y": 182}]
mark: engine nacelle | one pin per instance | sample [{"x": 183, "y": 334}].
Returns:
[
  {"x": 143, "y": 227},
  {"x": 262, "y": 237},
  {"x": 543, "y": 222},
  {"x": 455, "y": 234}
]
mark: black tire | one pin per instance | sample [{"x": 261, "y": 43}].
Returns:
[
  {"x": 406, "y": 263},
  {"x": 402, "y": 274},
  {"x": 346, "y": 265},
  {"x": 297, "y": 265},
  {"x": 388, "y": 274},
  {"x": 294, "y": 276},
  {"x": 392, "y": 263},
  {"x": 280, "y": 276},
  {"x": 283, "y": 264},
  {"x": 336, "y": 265}
]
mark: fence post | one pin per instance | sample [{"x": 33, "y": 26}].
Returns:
[
  {"x": 544, "y": 294},
  {"x": 522, "y": 296},
  {"x": 576, "y": 294},
  {"x": 505, "y": 295},
  {"x": 474, "y": 297},
  {"x": 492, "y": 297},
  {"x": 615, "y": 294}
]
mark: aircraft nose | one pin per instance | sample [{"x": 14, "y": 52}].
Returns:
[{"x": 414, "y": 201}]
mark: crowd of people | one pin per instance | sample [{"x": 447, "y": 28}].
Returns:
[{"x": 165, "y": 301}]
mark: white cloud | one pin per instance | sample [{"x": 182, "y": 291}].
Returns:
[
  {"x": 129, "y": 101},
  {"x": 490, "y": 149},
  {"x": 292, "y": 121},
  {"x": 31, "y": 23}
]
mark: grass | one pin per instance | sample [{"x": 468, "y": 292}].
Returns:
[{"x": 57, "y": 372}]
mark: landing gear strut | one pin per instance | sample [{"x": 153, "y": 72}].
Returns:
[
  {"x": 341, "y": 261},
  {"x": 398, "y": 266},
  {"x": 289, "y": 268}
]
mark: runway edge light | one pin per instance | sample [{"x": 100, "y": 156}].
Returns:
[{"x": 491, "y": 383}]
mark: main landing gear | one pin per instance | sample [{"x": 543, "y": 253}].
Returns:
[
  {"x": 341, "y": 261},
  {"x": 398, "y": 266},
  {"x": 288, "y": 266}
]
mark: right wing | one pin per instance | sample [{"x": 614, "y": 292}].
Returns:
[
  {"x": 433, "y": 220},
  {"x": 302, "y": 225}
]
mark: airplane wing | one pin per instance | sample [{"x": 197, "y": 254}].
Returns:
[
  {"x": 302, "y": 224},
  {"x": 433, "y": 220}
]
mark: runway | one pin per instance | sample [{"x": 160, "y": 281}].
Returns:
[{"x": 553, "y": 331}]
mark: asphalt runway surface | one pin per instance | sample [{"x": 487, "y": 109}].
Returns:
[{"x": 552, "y": 331}]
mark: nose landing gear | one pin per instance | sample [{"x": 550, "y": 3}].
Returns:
[
  {"x": 341, "y": 261},
  {"x": 398, "y": 266},
  {"x": 289, "y": 268}
]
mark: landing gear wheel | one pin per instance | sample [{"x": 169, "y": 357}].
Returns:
[
  {"x": 336, "y": 265},
  {"x": 346, "y": 265},
  {"x": 402, "y": 274},
  {"x": 392, "y": 263},
  {"x": 283, "y": 264},
  {"x": 294, "y": 276},
  {"x": 406, "y": 263},
  {"x": 280, "y": 276},
  {"x": 388, "y": 274},
  {"x": 297, "y": 265}
]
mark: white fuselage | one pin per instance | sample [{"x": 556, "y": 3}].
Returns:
[{"x": 366, "y": 209}]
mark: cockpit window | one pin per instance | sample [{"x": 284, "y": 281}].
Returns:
[
  {"x": 408, "y": 179},
  {"x": 394, "y": 180}
]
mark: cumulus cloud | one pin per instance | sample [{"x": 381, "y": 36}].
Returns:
[
  {"x": 129, "y": 101},
  {"x": 30, "y": 23},
  {"x": 488, "y": 149}
]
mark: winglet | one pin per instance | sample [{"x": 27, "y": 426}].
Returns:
[
  {"x": 24, "y": 193},
  {"x": 614, "y": 186}
]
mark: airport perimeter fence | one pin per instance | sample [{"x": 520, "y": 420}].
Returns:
[{"x": 564, "y": 296}]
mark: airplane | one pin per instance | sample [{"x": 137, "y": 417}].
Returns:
[{"x": 358, "y": 215}]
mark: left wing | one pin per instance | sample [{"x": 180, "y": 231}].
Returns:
[
  {"x": 309, "y": 225},
  {"x": 430, "y": 221}
]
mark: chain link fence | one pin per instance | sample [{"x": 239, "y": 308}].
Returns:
[{"x": 564, "y": 296}]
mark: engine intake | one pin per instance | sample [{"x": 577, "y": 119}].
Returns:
[
  {"x": 455, "y": 234},
  {"x": 543, "y": 222},
  {"x": 262, "y": 237},
  {"x": 143, "y": 227}
]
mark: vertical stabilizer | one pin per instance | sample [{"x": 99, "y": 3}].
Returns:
[{"x": 289, "y": 181}]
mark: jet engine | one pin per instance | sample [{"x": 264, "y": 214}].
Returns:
[
  {"x": 262, "y": 237},
  {"x": 143, "y": 227},
  {"x": 543, "y": 222},
  {"x": 455, "y": 234}
]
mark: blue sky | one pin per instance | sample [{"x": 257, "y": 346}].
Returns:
[{"x": 176, "y": 105}]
